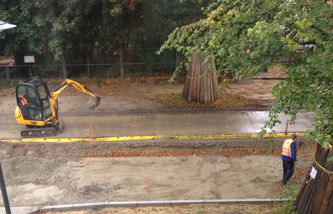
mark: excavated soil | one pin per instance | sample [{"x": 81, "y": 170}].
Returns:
[{"x": 40, "y": 175}]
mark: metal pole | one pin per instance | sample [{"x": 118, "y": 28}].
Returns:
[
  {"x": 4, "y": 192},
  {"x": 121, "y": 63},
  {"x": 7, "y": 74},
  {"x": 70, "y": 207},
  {"x": 64, "y": 69},
  {"x": 177, "y": 60}
]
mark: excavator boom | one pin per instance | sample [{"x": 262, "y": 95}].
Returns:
[{"x": 80, "y": 87}]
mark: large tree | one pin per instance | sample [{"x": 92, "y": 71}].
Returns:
[
  {"x": 76, "y": 30},
  {"x": 246, "y": 37}
]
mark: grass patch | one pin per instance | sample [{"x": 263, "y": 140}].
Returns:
[{"x": 225, "y": 101}]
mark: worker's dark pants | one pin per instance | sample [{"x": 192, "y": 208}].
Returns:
[{"x": 288, "y": 170}]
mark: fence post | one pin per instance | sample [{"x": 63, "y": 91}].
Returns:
[
  {"x": 64, "y": 69},
  {"x": 121, "y": 63},
  {"x": 177, "y": 60},
  {"x": 7, "y": 75},
  {"x": 4, "y": 192}
]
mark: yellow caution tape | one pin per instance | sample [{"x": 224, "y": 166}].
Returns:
[
  {"x": 322, "y": 168},
  {"x": 153, "y": 137}
]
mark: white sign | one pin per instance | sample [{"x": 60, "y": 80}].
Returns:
[
  {"x": 5, "y": 26},
  {"x": 313, "y": 173},
  {"x": 29, "y": 59}
]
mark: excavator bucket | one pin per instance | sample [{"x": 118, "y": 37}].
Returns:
[{"x": 93, "y": 102}]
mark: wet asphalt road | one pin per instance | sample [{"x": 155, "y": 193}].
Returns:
[{"x": 165, "y": 123}]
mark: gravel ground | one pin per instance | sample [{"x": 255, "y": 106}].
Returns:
[{"x": 54, "y": 174}]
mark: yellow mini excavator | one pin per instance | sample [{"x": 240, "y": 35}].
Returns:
[{"x": 37, "y": 107}]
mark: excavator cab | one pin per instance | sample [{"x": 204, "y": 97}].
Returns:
[{"x": 32, "y": 98}]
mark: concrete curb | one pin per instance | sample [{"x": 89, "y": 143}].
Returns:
[
  {"x": 19, "y": 210},
  {"x": 153, "y": 137},
  {"x": 102, "y": 205}
]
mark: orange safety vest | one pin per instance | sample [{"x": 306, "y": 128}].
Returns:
[
  {"x": 286, "y": 149},
  {"x": 24, "y": 101}
]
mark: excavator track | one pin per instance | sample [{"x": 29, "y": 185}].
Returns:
[{"x": 39, "y": 132}]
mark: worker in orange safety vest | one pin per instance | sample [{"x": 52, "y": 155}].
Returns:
[
  {"x": 289, "y": 153},
  {"x": 23, "y": 100}
]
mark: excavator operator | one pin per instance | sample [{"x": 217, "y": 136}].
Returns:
[{"x": 23, "y": 100}]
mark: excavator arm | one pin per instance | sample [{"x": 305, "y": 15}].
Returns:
[{"x": 78, "y": 86}]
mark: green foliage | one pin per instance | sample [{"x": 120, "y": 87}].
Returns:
[
  {"x": 271, "y": 144},
  {"x": 246, "y": 37},
  {"x": 68, "y": 29},
  {"x": 28, "y": 37},
  {"x": 79, "y": 27},
  {"x": 230, "y": 35},
  {"x": 309, "y": 85},
  {"x": 288, "y": 207},
  {"x": 160, "y": 17}
]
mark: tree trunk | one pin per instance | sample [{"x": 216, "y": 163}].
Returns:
[
  {"x": 316, "y": 194},
  {"x": 201, "y": 82}
]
